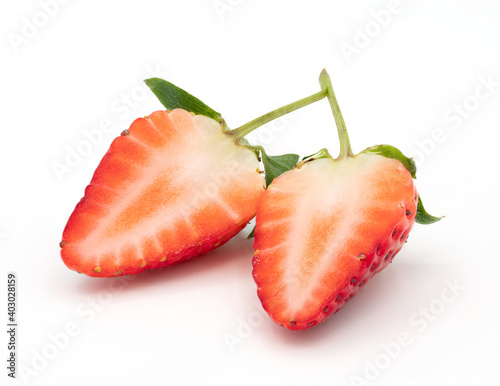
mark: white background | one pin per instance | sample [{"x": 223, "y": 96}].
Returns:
[{"x": 403, "y": 85}]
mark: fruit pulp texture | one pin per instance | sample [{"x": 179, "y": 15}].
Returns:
[
  {"x": 325, "y": 229},
  {"x": 172, "y": 187}
]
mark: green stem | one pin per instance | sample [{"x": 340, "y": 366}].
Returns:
[
  {"x": 247, "y": 128},
  {"x": 345, "y": 145}
]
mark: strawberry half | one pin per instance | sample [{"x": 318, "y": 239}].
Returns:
[
  {"x": 172, "y": 187},
  {"x": 325, "y": 228}
]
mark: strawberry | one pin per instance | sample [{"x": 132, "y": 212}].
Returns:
[
  {"x": 325, "y": 228},
  {"x": 173, "y": 186}
]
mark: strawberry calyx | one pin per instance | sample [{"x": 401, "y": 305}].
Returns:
[
  {"x": 277, "y": 164},
  {"x": 422, "y": 216},
  {"x": 173, "y": 97},
  {"x": 323, "y": 153},
  {"x": 389, "y": 151}
]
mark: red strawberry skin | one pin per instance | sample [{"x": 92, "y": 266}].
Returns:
[
  {"x": 170, "y": 188},
  {"x": 324, "y": 230}
]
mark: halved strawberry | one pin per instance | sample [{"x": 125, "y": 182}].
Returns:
[
  {"x": 325, "y": 228},
  {"x": 172, "y": 187}
]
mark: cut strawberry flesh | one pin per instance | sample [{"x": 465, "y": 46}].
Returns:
[
  {"x": 324, "y": 229},
  {"x": 171, "y": 187}
]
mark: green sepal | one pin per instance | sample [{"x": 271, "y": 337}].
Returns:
[
  {"x": 256, "y": 149},
  {"x": 422, "y": 217},
  {"x": 277, "y": 164},
  {"x": 173, "y": 97},
  {"x": 389, "y": 151},
  {"x": 323, "y": 153},
  {"x": 274, "y": 165}
]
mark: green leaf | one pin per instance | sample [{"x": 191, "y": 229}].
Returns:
[
  {"x": 389, "y": 151},
  {"x": 422, "y": 217},
  {"x": 277, "y": 164},
  {"x": 251, "y": 235},
  {"x": 173, "y": 97}
]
